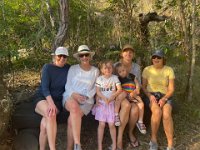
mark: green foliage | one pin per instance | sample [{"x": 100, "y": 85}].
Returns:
[{"x": 25, "y": 24}]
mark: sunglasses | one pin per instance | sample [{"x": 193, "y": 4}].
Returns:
[
  {"x": 82, "y": 55},
  {"x": 64, "y": 56},
  {"x": 158, "y": 57}
]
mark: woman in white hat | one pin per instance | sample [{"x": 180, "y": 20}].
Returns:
[
  {"x": 78, "y": 97},
  {"x": 48, "y": 97}
]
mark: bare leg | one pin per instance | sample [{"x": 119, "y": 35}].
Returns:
[
  {"x": 132, "y": 120},
  {"x": 70, "y": 140},
  {"x": 140, "y": 105},
  {"x": 50, "y": 123},
  {"x": 155, "y": 120},
  {"x": 101, "y": 128},
  {"x": 113, "y": 135},
  {"x": 76, "y": 113},
  {"x": 168, "y": 124},
  {"x": 43, "y": 134},
  {"x": 118, "y": 101},
  {"x": 124, "y": 116}
]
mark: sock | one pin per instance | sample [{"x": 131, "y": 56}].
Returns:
[{"x": 140, "y": 121}]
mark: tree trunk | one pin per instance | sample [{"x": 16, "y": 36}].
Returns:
[
  {"x": 5, "y": 106},
  {"x": 144, "y": 21},
  {"x": 52, "y": 20},
  {"x": 190, "y": 92},
  {"x": 144, "y": 31},
  {"x": 63, "y": 24},
  {"x": 185, "y": 31}
]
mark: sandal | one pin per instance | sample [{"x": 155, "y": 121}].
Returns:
[
  {"x": 135, "y": 143},
  {"x": 117, "y": 121},
  {"x": 141, "y": 127},
  {"x": 119, "y": 149}
]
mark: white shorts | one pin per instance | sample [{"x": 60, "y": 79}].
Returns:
[{"x": 86, "y": 107}]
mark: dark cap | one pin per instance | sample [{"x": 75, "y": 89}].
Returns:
[
  {"x": 126, "y": 47},
  {"x": 158, "y": 53}
]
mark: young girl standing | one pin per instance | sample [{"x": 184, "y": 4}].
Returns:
[{"x": 108, "y": 87}]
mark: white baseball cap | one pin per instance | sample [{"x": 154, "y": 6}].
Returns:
[{"x": 61, "y": 51}]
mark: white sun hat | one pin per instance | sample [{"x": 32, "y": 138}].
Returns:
[{"x": 83, "y": 49}]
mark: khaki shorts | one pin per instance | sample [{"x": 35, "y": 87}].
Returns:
[{"x": 86, "y": 107}]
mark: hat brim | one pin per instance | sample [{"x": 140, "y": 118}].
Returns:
[
  {"x": 76, "y": 55},
  {"x": 128, "y": 49},
  {"x": 157, "y": 55}
]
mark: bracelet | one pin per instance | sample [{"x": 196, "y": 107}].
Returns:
[{"x": 166, "y": 99}]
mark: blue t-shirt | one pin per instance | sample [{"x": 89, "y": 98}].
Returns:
[{"x": 53, "y": 80}]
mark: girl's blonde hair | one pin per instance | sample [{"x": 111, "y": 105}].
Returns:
[{"x": 105, "y": 62}]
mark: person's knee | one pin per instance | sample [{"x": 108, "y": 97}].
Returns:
[
  {"x": 141, "y": 105},
  {"x": 134, "y": 110},
  {"x": 74, "y": 107},
  {"x": 102, "y": 125},
  {"x": 157, "y": 112},
  {"x": 51, "y": 118},
  {"x": 126, "y": 105},
  {"x": 167, "y": 116},
  {"x": 111, "y": 125}
]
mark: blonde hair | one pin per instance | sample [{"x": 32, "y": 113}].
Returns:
[
  {"x": 105, "y": 62},
  {"x": 117, "y": 66}
]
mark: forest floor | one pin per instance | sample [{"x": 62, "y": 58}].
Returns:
[{"x": 187, "y": 128}]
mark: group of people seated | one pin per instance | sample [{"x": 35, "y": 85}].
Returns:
[{"x": 111, "y": 92}]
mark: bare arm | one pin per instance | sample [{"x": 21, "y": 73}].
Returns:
[
  {"x": 116, "y": 93},
  {"x": 99, "y": 94},
  {"x": 170, "y": 91},
  {"x": 137, "y": 86}
]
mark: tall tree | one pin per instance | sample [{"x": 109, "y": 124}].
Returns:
[
  {"x": 63, "y": 24},
  {"x": 193, "y": 32}
]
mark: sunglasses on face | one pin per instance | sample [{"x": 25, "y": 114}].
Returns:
[
  {"x": 64, "y": 56},
  {"x": 82, "y": 55},
  {"x": 158, "y": 57}
]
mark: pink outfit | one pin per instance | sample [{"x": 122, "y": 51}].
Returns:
[{"x": 104, "y": 112}]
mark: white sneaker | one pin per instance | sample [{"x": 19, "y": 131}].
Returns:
[
  {"x": 77, "y": 147},
  {"x": 172, "y": 148},
  {"x": 153, "y": 146}
]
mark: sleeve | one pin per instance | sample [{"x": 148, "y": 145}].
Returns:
[
  {"x": 144, "y": 73},
  {"x": 68, "y": 86},
  {"x": 171, "y": 73},
  {"x": 98, "y": 83},
  {"x": 45, "y": 81},
  {"x": 117, "y": 82},
  {"x": 92, "y": 92},
  {"x": 138, "y": 75}
]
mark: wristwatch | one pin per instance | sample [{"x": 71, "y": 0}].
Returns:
[{"x": 166, "y": 99}]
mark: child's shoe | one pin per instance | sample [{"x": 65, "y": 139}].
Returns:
[
  {"x": 117, "y": 120},
  {"x": 141, "y": 127}
]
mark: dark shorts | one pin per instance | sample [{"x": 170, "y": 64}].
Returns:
[
  {"x": 158, "y": 95},
  {"x": 57, "y": 101}
]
